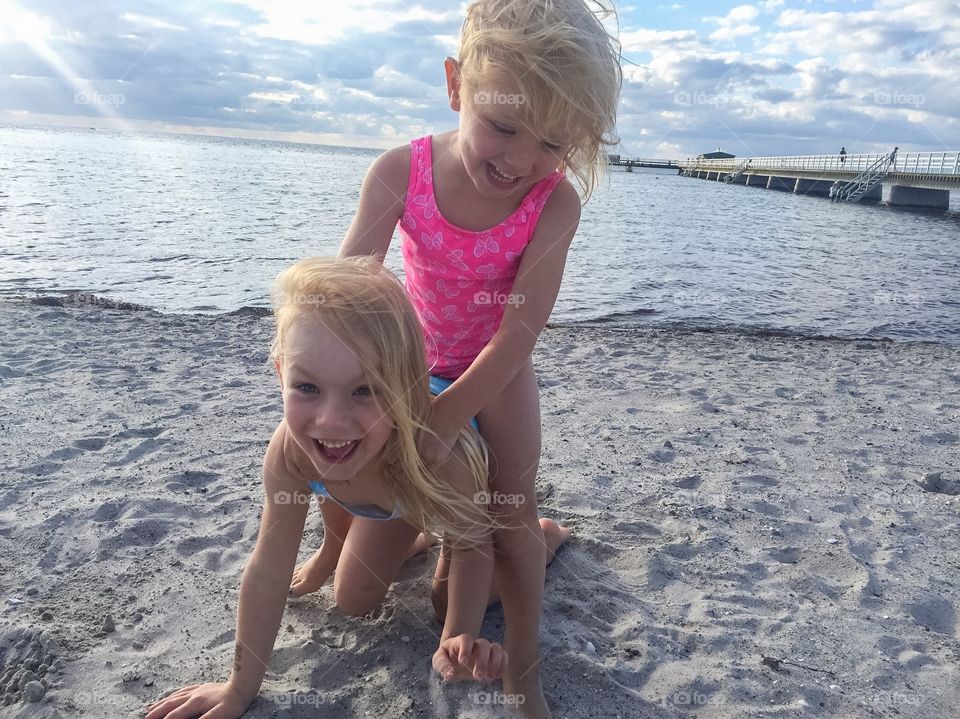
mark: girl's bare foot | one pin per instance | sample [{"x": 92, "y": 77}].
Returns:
[
  {"x": 312, "y": 574},
  {"x": 533, "y": 705},
  {"x": 420, "y": 545},
  {"x": 554, "y": 535}
]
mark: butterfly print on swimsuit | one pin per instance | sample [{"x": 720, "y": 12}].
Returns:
[
  {"x": 447, "y": 291},
  {"x": 485, "y": 245},
  {"x": 432, "y": 241},
  {"x": 456, "y": 259},
  {"x": 488, "y": 271},
  {"x": 427, "y": 205}
]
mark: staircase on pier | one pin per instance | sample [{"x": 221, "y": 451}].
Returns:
[
  {"x": 737, "y": 171},
  {"x": 865, "y": 181}
]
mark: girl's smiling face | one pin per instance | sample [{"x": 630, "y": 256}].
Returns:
[
  {"x": 330, "y": 409},
  {"x": 501, "y": 154}
]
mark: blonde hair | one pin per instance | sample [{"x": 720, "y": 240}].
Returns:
[
  {"x": 365, "y": 305},
  {"x": 567, "y": 67}
]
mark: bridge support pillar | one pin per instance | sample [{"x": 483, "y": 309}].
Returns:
[
  {"x": 819, "y": 188},
  {"x": 757, "y": 180},
  {"x": 780, "y": 183},
  {"x": 875, "y": 195},
  {"x": 919, "y": 197}
]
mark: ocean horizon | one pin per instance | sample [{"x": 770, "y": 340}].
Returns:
[{"x": 202, "y": 224}]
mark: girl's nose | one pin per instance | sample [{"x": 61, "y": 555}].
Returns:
[
  {"x": 520, "y": 158},
  {"x": 330, "y": 419}
]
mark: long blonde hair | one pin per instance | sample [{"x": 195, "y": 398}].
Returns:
[
  {"x": 567, "y": 67},
  {"x": 366, "y": 306}
]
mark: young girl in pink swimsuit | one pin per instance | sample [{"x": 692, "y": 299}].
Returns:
[{"x": 487, "y": 213}]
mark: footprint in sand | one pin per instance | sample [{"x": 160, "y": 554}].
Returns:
[
  {"x": 785, "y": 555},
  {"x": 937, "y": 615},
  {"x": 935, "y": 482}
]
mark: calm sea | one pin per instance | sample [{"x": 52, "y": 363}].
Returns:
[{"x": 198, "y": 224}]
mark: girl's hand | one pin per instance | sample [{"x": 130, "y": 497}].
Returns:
[
  {"x": 211, "y": 701},
  {"x": 463, "y": 658},
  {"x": 435, "y": 451}
]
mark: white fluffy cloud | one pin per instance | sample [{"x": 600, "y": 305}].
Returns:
[{"x": 769, "y": 77}]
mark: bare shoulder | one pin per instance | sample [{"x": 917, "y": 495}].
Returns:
[
  {"x": 381, "y": 205},
  {"x": 561, "y": 214},
  {"x": 391, "y": 171},
  {"x": 285, "y": 467}
]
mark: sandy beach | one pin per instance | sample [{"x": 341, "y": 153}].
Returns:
[{"x": 763, "y": 527}]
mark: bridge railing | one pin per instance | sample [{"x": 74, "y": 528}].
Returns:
[{"x": 922, "y": 163}]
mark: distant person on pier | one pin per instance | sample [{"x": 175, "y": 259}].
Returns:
[
  {"x": 843, "y": 155},
  {"x": 893, "y": 157}
]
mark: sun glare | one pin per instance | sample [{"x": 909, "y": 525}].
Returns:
[{"x": 18, "y": 25}]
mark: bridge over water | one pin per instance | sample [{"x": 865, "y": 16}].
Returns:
[{"x": 916, "y": 179}]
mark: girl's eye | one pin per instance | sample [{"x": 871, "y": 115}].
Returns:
[
  {"x": 501, "y": 128},
  {"x": 305, "y": 387},
  {"x": 551, "y": 147},
  {"x": 364, "y": 391}
]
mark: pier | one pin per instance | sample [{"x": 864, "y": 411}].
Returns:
[
  {"x": 915, "y": 179},
  {"x": 630, "y": 162}
]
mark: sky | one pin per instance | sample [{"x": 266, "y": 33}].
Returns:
[{"x": 773, "y": 77}]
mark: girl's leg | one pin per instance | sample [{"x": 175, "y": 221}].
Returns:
[
  {"x": 313, "y": 573},
  {"x": 510, "y": 424},
  {"x": 371, "y": 557},
  {"x": 553, "y": 536}
]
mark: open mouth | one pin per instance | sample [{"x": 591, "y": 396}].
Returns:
[
  {"x": 337, "y": 451},
  {"x": 500, "y": 178}
]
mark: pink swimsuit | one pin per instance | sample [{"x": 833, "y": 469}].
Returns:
[{"x": 460, "y": 280}]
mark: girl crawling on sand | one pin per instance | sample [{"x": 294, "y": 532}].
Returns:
[{"x": 350, "y": 357}]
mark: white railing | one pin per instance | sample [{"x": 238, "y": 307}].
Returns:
[{"x": 921, "y": 163}]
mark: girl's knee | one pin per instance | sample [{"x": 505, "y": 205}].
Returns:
[
  {"x": 357, "y": 603},
  {"x": 514, "y": 510}
]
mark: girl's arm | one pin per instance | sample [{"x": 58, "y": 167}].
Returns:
[
  {"x": 266, "y": 579},
  {"x": 468, "y": 588},
  {"x": 535, "y": 293},
  {"x": 381, "y": 205},
  {"x": 263, "y": 593}
]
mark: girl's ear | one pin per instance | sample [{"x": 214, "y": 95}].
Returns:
[
  {"x": 276, "y": 366},
  {"x": 452, "y": 69}
]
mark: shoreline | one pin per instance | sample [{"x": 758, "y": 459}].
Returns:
[
  {"x": 72, "y": 298},
  {"x": 740, "y": 506}
]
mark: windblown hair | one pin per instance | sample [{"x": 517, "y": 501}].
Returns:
[
  {"x": 565, "y": 64},
  {"x": 366, "y": 306}
]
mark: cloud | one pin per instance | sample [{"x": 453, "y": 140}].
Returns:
[{"x": 766, "y": 77}]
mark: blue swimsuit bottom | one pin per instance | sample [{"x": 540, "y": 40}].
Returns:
[{"x": 372, "y": 511}]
